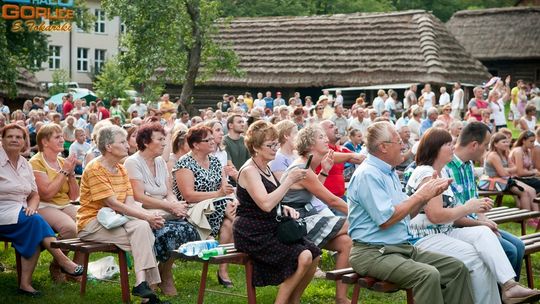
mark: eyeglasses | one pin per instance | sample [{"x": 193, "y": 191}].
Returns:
[
  {"x": 400, "y": 142},
  {"x": 273, "y": 146},
  {"x": 211, "y": 139},
  {"x": 128, "y": 126}
]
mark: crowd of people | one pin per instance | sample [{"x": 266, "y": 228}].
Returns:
[{"x": 389, "y": 186}]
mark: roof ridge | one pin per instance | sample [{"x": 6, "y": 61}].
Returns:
[
  {"x": 428, "y": 44},
  {"x": 496, "y": 10},
  {"x": 353, "y": 15}
]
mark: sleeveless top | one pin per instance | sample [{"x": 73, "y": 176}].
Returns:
[{"x": 490, "y": 170}]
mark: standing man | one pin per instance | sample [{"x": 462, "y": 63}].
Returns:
[
  {"x": 340, "y": 122},
  {"x": 379, "y": 215},
  {"x": 166, "y": 107},
  {"x": 410, "y": 97},
  {"x": 444, "y": 98},
  {"x": 279, "y": 101},
  {"x": 268, "y": 101},
  {"x": 67, "y": 106},
  {"x": 361, "y": 122},
  {"x": 339, "y": 99},
  {"x": 471, "y": 146},
  {"x": 457, "y": 101},
  {"x": 139, "y": 107},
  {"x": 237, "y": 153}
]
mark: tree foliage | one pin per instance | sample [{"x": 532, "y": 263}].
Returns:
[
  {"x": 28, "y": 50},
  {"x": 111, "y": 82},
  {"x": 60, "y": 78},
  {"x": 443, "y": 9},
  {"x": 168, "y": 40}
]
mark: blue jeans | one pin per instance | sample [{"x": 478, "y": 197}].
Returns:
[{"x": 514, "y": 249}]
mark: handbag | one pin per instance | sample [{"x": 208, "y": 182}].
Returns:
[
  {"x": 497, "y": 184},
  {"x": 109, "y": 219},
  {"x": 289, "y": 230}
]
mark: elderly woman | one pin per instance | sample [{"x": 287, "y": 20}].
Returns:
[
  {"x": 291, "y": 266},
  {"x": 19, "y": 202},
  {"x": 105, "y": 183},
  {"x": 147, "y": 171},
  {"x": 57, "y": 187},
  {"x": 433, "y": 229},
  {"x": 199, "y": 176},
  {"x": 326, "y": 231}
]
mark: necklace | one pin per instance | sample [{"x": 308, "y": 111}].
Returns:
[{"x": 268, "y": 169}]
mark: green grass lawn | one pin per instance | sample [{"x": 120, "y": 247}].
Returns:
[{"x": 187, "y": 275}]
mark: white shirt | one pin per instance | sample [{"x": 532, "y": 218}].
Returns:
[
  {"x": 259, "y": 103},
  {"x": 378, "y": 104},
  {"x": 4, "y": 109},
  {"x": 141, "y": 109},
  {"x": 457, "y": 100},
  {"x": 80, "y": 123},
  {"x": 339, "y": 100},
  {"x": 79, "y": 150},
  {"x": 497, "y": 113},
  {"x": 444, "y": 99},
  {"x": 362, "y": 126},
  {"x": 428, "y": 99}
]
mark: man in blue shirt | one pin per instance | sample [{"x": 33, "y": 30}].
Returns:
[
  {"x": 269, "y": 101},
  {"x": 432, "y": 114},
  {"x": 379, "y": 214}
]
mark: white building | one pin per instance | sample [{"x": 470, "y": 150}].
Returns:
[{"x": 81, "y": 53}]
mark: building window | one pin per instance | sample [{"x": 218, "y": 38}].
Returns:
[
  {"x": 99, "y": 26},
  {"x": 99, "y": 60},
  {"x": 122, "y": 28},
  {"x": 54, "y": 57},
  {"x": 82, "y": 60}
]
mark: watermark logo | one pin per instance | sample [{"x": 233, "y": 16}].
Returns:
[{"x": 32, "y": 14}]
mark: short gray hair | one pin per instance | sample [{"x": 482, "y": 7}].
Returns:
[
  {"x": 106, "y": 136},
  {"x": 377, "y": 133},
  {"x": 305, "y": 140}
]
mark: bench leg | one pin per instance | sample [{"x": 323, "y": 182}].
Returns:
[
  {"x": 6, "y": 245},
  {"x": 410, "y": 297},
  {"x": 528, "y": 269},
  {"x": 498, "y": 200},
  {"x": 202, "y": 286},
  {"x": 355, "y": 294},
  {"x": 19, "y": 267},
  {"x": 124, "y": 279},
  {"x": 84, "y": 278},
  {"x": 523, "y": 227},
  {"x": 251, "y": 294}
]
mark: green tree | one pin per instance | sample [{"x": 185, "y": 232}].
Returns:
[
  {"x": 28, "y": 50},
  {"x": 170, "y": 40},
  {"x": 59, "y": 80},
  {"x": 111, "y": 81}
]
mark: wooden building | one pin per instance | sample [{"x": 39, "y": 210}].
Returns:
[
  {"x": 309, "y": 53},
  {"x": 505, "y": 40}
]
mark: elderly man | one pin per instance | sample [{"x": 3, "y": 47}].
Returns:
[
  {"x": 432, "y": 114},
  {"x": 361, "y": 122},
  {"x": 379, "y": 214},
  {"x": 139, "y": 107}
]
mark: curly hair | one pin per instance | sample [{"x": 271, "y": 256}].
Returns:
[
  {"x": 257, "y": 133},
  {"x": 305, "y": 140}
]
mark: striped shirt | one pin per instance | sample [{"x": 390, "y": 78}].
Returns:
[{"x": 97, "y": 184}]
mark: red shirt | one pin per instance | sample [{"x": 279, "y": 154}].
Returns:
[
  {"x": 480, "y": 104},
  {"x": 104, "y": 113},
  {"x": 335, "y": 182},
  {"x": 66, "y": 108}
]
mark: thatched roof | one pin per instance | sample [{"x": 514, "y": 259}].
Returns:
[
  {"x": 498, "y": 33},
  {"x": 27, "y": 85},
  {"x": 346, "y": 50}
]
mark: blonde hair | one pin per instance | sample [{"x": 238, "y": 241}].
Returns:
[
  {"x": 257, "y": 133},
  {"x": 284, "y": 128},
  {"x": 46, "y": 132},
  {"x": 305, "y": 140}
]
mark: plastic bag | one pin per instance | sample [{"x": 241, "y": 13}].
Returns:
[
  {"x": 103, "y": 269},
  {"x": 110, "y": 219}
]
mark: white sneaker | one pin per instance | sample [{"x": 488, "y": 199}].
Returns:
[{"x": 319, "y": 274}]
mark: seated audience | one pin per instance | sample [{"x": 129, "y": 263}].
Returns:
[
  {"x": 20, "y": 221},
  {"x": 105, "y": 183},
  {"x": 379, "y": 216},
  {"x": 291, "y": 266},
  {"x": 522, "y": 157},
  {"x": 151, "y": 185}
]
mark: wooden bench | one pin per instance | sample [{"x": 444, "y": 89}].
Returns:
[
  {"x": 17, "y": 259},
  {"x": 232, "y": 257},
  {"x": 498, "y": 196},
  {"x": 532, "y": 245},
  {"x": 86, "y": 248},
  {"x": 349, "y": 276},
  {"x": 503, "y": 214}
]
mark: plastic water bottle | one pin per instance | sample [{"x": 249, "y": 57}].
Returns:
[
  {"x": 194, "y": 248},
  {"x": 207, "y": 254}
]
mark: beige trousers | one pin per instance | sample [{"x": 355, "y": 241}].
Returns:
[
  {"x": 135, "y": 236},
  {"x": 62, "y": 221}
]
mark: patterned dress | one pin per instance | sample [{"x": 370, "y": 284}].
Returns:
[
  {"x": 255, "y": 233},
  {"x": 205, "y": 180}
]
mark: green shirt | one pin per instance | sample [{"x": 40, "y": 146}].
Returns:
[
  {"x": 236, "y": 151},
  {"x": 464, "y": 184}
]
